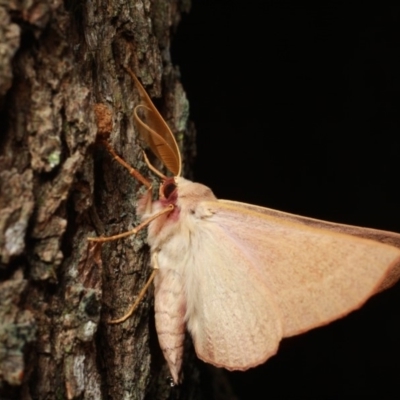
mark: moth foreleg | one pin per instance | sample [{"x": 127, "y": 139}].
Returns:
[
  {"x": 133, "y": 231},
  {"x": 152, "y": 168},
  {"x": 132, "y": 171}
]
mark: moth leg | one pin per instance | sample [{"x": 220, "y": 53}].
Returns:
[
  {"x": 152, "y": 168},
  {"x": 141, "y": 294},
  {"x": 132, "y": 171},
  {"x": 134, "y": 231}
]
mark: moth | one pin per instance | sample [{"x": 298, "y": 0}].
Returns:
[{"x": 240, "y": 277}]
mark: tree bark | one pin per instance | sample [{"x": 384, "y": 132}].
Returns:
[{"x": 57, "y": 61}]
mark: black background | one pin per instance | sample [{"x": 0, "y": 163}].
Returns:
[{"x": 297, "y": 108}]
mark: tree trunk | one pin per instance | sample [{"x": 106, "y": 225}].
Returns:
[{"x": 58, "y": 60}]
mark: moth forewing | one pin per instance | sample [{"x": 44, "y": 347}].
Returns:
[
  {"x": 384, "y": 237},
  {"x": 316, "y": 275}
]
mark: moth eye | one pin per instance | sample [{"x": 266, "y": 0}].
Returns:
[{"x": 168, "y": 189}]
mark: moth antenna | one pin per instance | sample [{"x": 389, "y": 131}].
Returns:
[
  {"x": 140, "y": 295},
  {"x": 153, "y": 168},
  {"x": 155, "y": 131},
  {"x": 134, "y": 231}
]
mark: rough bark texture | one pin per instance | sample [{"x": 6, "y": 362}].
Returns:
[{"x": 57, "y": 61}]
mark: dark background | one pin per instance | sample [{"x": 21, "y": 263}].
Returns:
[{"x": 296, "y": 108}]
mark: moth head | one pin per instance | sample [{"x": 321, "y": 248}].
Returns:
[{"x": 177, "y": 187}]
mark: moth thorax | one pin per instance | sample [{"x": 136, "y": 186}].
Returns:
[{"x": 193, "y": 191}]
